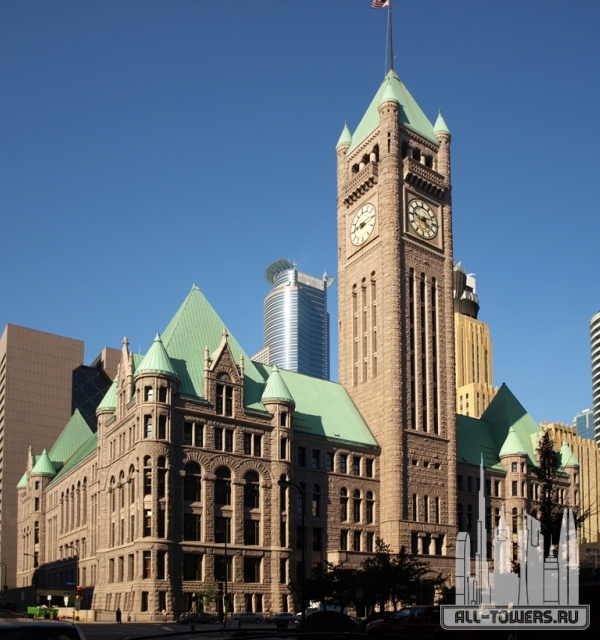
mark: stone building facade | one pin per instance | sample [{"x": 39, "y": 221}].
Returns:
[{"x": 179, "y": 488}]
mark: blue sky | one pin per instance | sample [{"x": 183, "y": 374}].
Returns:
[{"x": 148, "y": 145}]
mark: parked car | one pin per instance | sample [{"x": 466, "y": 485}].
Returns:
[
  {"x": 419, "y": 621},
  {"x": 280, "y": 618},
  {"x": 7, "y": 604},
  {"x": 7, "y": 613},
  {"x": 39, "y": 629},
  {"x": 248, "y": 616},
  {"x": 200, "y": 617}
]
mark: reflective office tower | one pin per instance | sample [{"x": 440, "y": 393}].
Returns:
[
  {"x": 595, "y": 341},
  {"x": 296, "y": 321},
  {"x": 584, "y": 423}
]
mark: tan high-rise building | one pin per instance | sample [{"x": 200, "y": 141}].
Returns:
[
  {"x": 588, "y": 455},
  {"x": 473, "y": 346},
  {"x": 396, "y": 345},
  {"x": 36, "y": 372}
]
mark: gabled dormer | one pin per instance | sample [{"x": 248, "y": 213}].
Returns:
[{"x": 224, "y": 379}]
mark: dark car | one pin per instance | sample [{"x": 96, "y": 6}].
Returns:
[
  {"x": 39, "y": 630},
  {"x": 199, "y": 617},
  {"x": 248, "y": 616},
  {"x": 7, "y": 604},
  {"x": 417, "y": 622},
  {"x": 7, "y": 613},
  {"x": 282, "y": 618}
]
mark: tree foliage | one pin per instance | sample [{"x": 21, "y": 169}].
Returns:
[
  {"x": 547, "y": 470},
  {"x": 399, "y": 578}
]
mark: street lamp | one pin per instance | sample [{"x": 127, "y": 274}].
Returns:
[
  {"x": 223, "y": 530},
  {"x": 287, "y": 483}
]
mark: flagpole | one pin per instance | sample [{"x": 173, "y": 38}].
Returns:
[{"x": 390, "y": 36}]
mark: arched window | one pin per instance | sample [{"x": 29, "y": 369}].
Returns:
[
  {"x": 426, "y": 508},
  {"x": 515, "y": 520},
  {"x": 161, "y": 479},
  {"x": 112, "y": 494},
  {"x": 356, "y": 505},
  {"x": 343, "y": 505},
  {"x": 192, "y": 482},
  {"x": 147, "y": 476},
  {"x": 283, "y": 496},
  {"x": 131, "y": 484},
  {"x": 223, "y": 486},
  {"x": 84, "y": 502},
  {"x": 251, "y": 490},
  {"x": 121, "y": 490},
  {"x": 316, "y": 501},
  {"x": 370, "y": 507}
]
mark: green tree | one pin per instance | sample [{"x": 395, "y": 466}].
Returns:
[
  {"x": 547, "y": 470},
  {"x": 397, "y": 578},
  {"x": 332, "y": 585}
]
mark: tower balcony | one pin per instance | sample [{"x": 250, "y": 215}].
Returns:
[
  {"x": 360, "y": 183},
  {"x": 423, "y": 177}
]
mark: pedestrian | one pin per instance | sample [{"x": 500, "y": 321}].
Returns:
[{"x": 118, "y": 615}]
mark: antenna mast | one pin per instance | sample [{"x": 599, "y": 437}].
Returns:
[{"x": 390, "y": 35}]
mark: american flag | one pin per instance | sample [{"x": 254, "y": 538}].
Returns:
[{"x": 379, "y": 4}]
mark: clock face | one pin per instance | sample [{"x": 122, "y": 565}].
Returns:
[
  {"x": 422, "y": 219},
  {"x": 362, "y": 225}
]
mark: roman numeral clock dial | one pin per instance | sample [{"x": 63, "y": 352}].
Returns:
[
  {"x": 362, "y": 225},
  {"x": 422, "y": 219}
]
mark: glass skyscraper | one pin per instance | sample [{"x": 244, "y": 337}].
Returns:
[
  {"x": 584, "y": 423},
  {"x": 296, "y": 321}
]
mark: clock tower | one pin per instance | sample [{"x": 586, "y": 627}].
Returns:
[{"x": 396, "y": 344}]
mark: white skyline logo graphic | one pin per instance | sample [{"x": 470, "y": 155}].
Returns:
[{"x": 545, "y": 592}]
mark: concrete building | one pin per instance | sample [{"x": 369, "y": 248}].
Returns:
[
  {"x": 42, "y": 381},
  {"x": 595, "y": 346},
  {"x": 36, "y": 370},
  {"x": 473, "y": 346},
  {"x": 296, "y": 321},
  {"x": 584, "y": 424}
]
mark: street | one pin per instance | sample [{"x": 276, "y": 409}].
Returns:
[{"x": 114, "y": 631}]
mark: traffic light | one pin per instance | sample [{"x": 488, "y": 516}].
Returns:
[
  {"x": 220, "y": 590},
  {"x": 78, "y": 593}
]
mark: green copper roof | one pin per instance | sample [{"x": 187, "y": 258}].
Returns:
[
  {"x": 345, "y": 138},
  {"x": 505, "y": 411},
  {"x": 567, "y": 457},
  {"x": 156, "y": 360},
  {"x": 440, "y": 125},
  {"x": 512, "y": 445},
  {"x": 22, "y": 482},
  {"x": 388, "y": 95},
  {"x": 75, "y": 433},
  {"x": 276, "y": 389},
  {"x": 505, "y": 427},
  {"x": 44, "y": 467},
  {"x": 474, "y": 439},
  {"x": 411, "y": 115},
  {"x": 86, "y": 449},
  {"x": 324, "y": 409},
  {"x": 195, "y": 326},
  {"x": 110, "y": 399}
]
